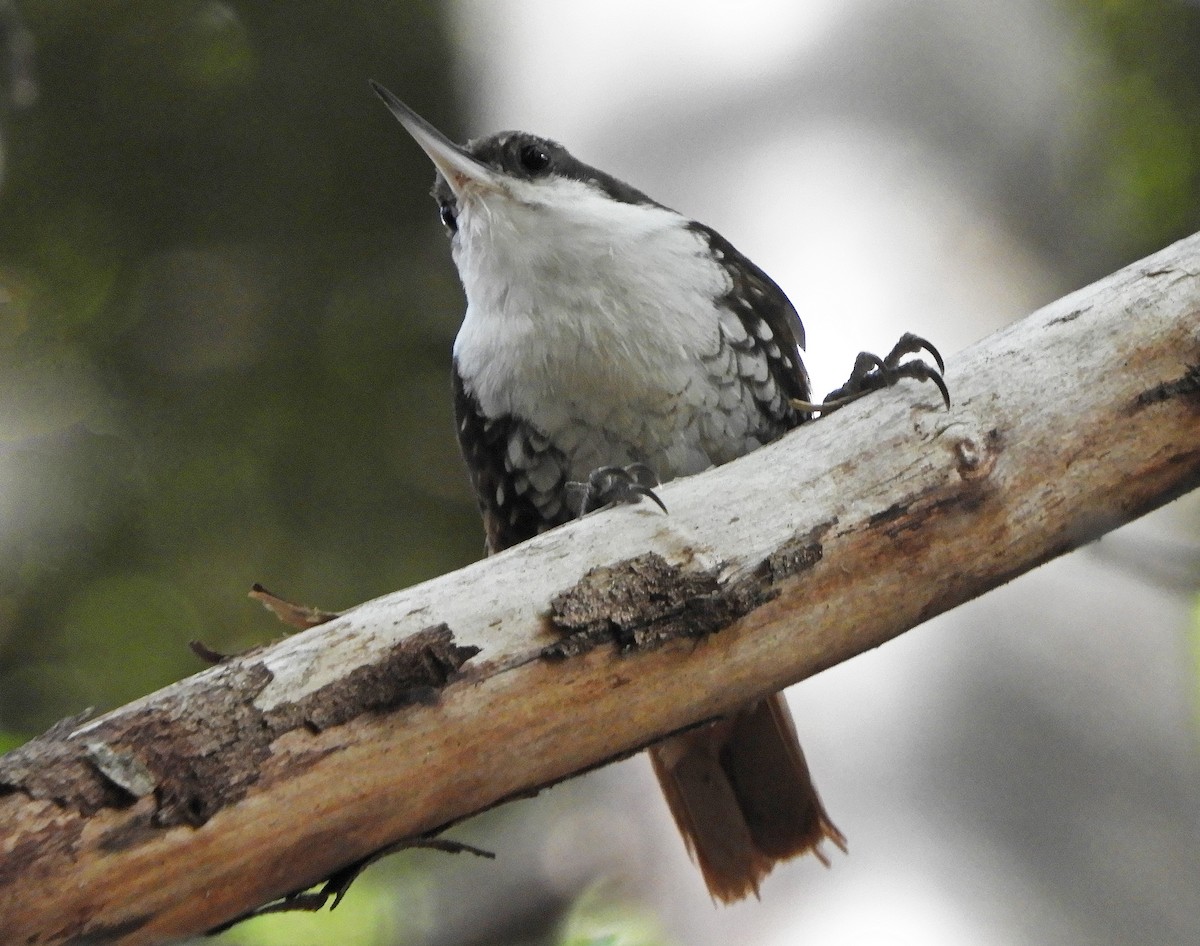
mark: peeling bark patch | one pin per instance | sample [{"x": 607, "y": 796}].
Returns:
[
  {"x": 50, "y": 768},
  {"x": 1186, "y": 386},
  {"x": 792, "y": 559},
  {"x": 643, "y": 602},
  {"x": 798, "y": 554},
  {"x": 201, "y": 747},
  {"x": 122, "y": 769},
  {"x": 195, "y": 753},
  {"x": 412, "y": 671},
  {"x": 204, "y": 751}
]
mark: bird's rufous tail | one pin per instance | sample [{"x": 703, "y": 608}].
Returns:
[{"x": 740, "y": 792}]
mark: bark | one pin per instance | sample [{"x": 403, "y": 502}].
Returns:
[{"x": 268, "y": 773}]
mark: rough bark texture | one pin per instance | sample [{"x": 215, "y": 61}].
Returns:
[{"x": 267, "y": 773}]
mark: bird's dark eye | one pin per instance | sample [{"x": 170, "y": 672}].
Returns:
[
  {"x": 448, "y": 215},
  {"x": 534, "y": 158}
]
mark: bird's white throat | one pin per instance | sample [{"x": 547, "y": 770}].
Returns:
[{"x": 572, "y": 296}]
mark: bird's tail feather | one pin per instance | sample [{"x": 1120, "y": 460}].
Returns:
[{"x": 743, "y": 799}]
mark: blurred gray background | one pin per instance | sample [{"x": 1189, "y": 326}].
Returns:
[{"x": 226, "y": 307}]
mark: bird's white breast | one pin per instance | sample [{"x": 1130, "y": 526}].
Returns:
[{"x": 593, "y": 319}]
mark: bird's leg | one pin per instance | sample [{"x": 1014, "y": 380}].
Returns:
[
  {"x": 872, "y": 373},
  {"x": 608, "y": 485}
]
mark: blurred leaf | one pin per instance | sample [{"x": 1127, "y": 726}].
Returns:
[{"x": 597, "y": 919}]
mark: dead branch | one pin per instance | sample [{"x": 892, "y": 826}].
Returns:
[{"x": 272, "y": 771}]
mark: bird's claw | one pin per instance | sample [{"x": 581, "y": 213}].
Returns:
[
  {"x": 872, "y": 373},
  {"x": 609, "y": 485}
]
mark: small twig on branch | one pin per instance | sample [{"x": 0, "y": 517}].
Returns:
[
  {"x": 207, "y": 654},
  {"x": 301, "y": 616},
  {"x": 416, "y": 710},
  {"x": 335, "y": 888}
]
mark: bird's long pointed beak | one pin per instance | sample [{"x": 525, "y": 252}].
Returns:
[{"x": 461, "y": 171}]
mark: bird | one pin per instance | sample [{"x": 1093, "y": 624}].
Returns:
[{"x": 611, "y": 344}]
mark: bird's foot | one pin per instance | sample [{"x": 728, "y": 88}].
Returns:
[
  {"x": 609, "y": 485},
  {"x": 872, "y": 373}
]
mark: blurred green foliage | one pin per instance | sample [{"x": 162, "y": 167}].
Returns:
[
  {"x": 370, "y": 918},
  {"x": 1144, "y": 181},
  {"x": 596, "y": 919},
  {"x": 226, "y": 309},
  {"x": 1140, "y": 185}
]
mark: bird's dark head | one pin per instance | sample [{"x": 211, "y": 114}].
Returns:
[{"x": 496, "y": 177}]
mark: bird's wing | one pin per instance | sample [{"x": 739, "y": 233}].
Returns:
[
  {"x": 518, "y": 475},
  {"x": 768, "y": 317}
]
